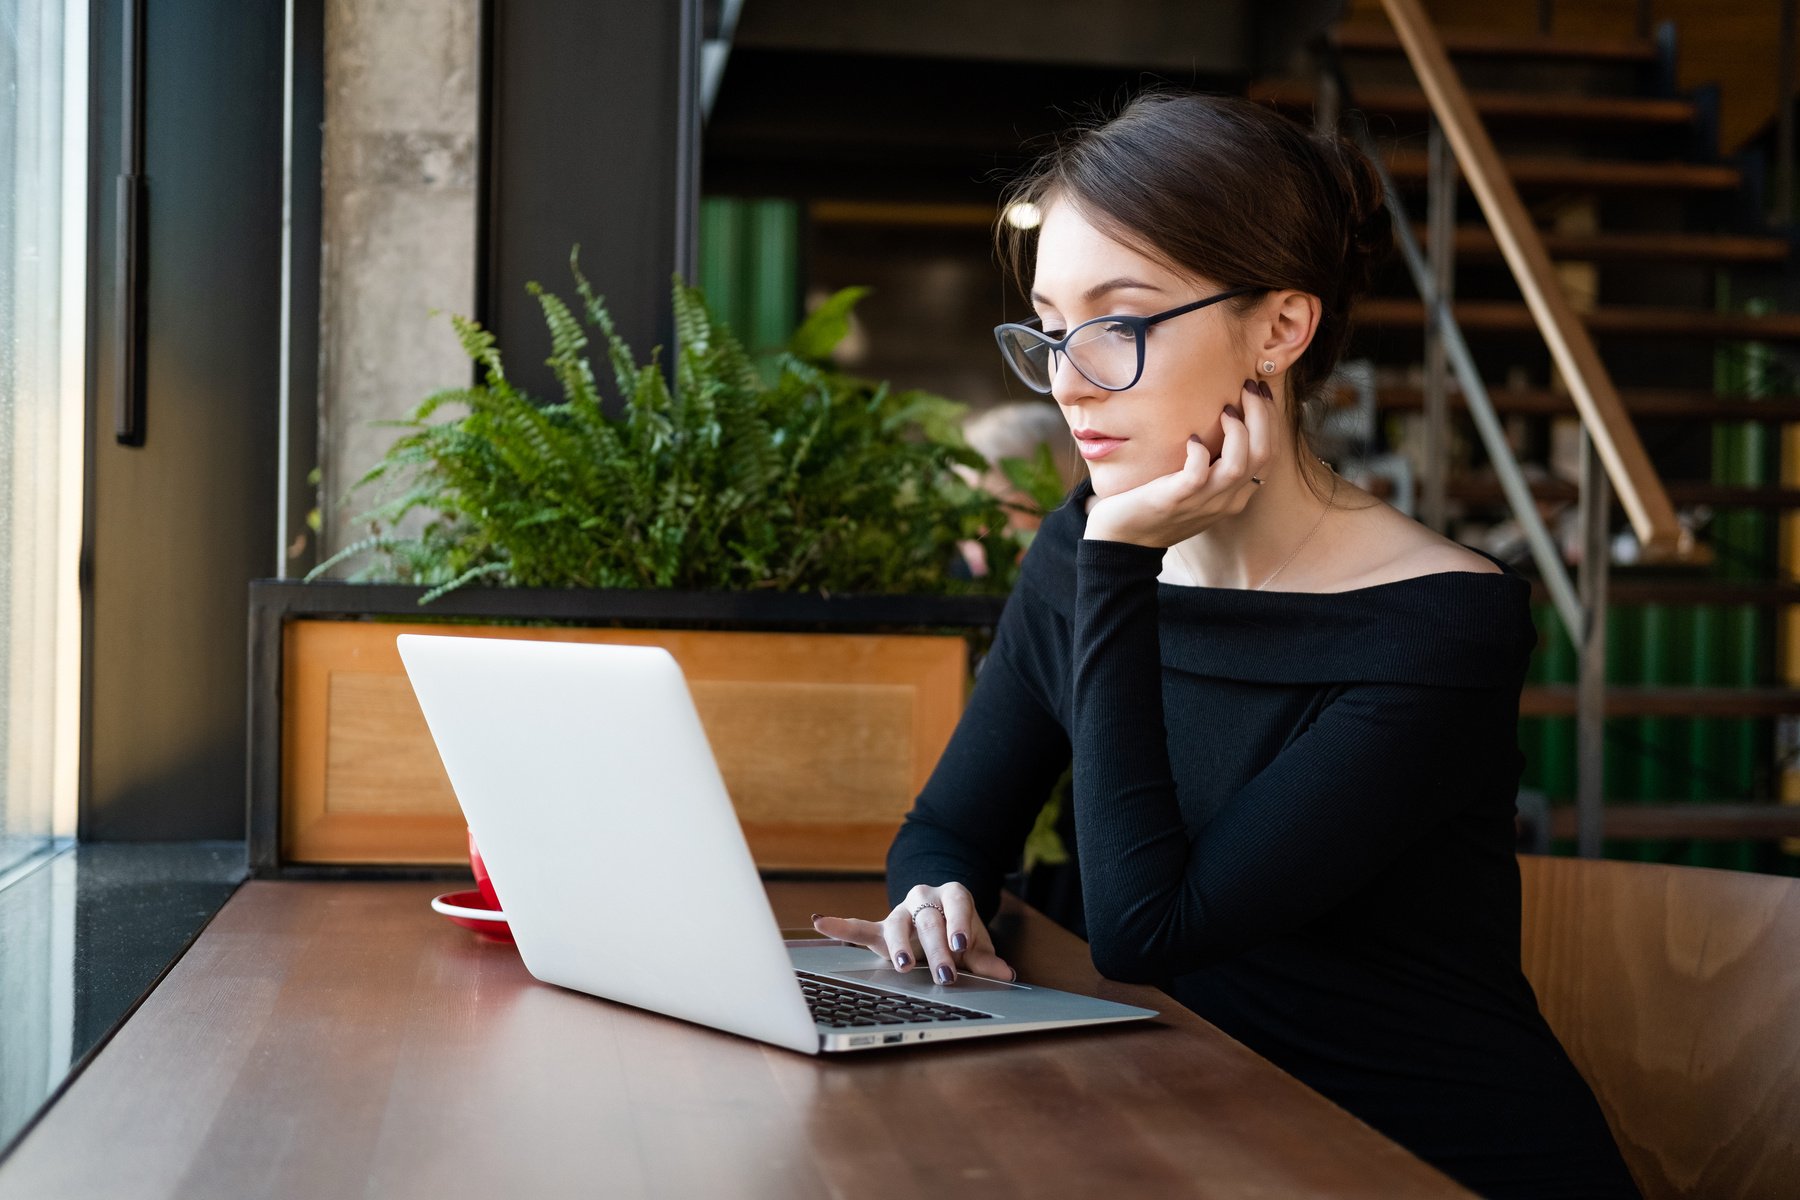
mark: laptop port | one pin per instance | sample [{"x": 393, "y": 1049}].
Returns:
[{"x": 888, "y": 1039}]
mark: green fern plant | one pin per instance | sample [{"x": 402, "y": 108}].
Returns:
[{"x": 796, "y": 477}]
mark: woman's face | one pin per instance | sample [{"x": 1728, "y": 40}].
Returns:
[{"x": 1192, "y": 366}]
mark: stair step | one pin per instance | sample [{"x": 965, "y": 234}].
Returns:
[
  {"x": 1492, "y": 106},
  {"x": 1639, "y": 402},
  {"x": 1643, "y": 700},
  {"x": 1706, "y": 820},
  {"x": 1501, "y": 316},
  {"x": 1682, "y": 493},
  {"x": 1478, "y": 242},
  {"x": 1584, "y": 174},
  {"x": 1624, "y": 590},
  {"x": 1374, "y": 37}
]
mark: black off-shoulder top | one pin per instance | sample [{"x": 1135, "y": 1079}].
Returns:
[{"x": 1294, "y": 812}]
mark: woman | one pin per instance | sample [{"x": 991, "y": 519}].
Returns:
[{"x": 1293, "y": 805}]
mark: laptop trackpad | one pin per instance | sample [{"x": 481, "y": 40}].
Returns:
[{"x": 918, "y": 983}]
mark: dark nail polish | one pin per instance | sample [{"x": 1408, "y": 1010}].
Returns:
[
  {"x": 1193, "y": 437},
  {"x": 1264, "y": 389},
  {"x": 1236, "y": 415},
  {"x": 1249, "y": 385},
  {"x": 958, "y": 942},
  {"x": 902, "y": 959},
  {"x": 943, "y": 974}
]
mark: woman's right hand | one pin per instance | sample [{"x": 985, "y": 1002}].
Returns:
[{"x": 947, "y": 935}]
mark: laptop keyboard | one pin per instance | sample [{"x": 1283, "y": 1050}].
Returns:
[{"x": 843, "y": 1006}]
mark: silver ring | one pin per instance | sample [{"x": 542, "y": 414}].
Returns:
[{"x": 923, "y": 907}]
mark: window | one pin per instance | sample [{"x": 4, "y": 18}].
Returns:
[{"x": 43, "y": 247}]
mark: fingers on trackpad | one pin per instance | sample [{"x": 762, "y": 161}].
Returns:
[{"x": 919, "y": 983}]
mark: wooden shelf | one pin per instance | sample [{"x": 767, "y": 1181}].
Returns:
[
  {"x": 1369, "y": 37},
  {"x": 1626, "y": 700},
  {"x": 1704, "y": 820},
  {"x": 1509, "y": 316},
  {"x": 1622, "y": 590},
  {"x": 1535, "y": 173},
  {"x": 1493, "y": 106},
  {"x": 1681, "y": 492},
  {"x": 1641, "y": 403},
  {"x": 1477, "y": 242}
]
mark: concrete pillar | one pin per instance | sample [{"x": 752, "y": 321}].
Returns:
[{"x": 401, "y": 140}]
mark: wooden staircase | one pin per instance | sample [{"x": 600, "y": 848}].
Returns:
[{"x": 1646, "y": 226}]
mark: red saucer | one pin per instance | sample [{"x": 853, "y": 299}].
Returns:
[{"x": 471, "y": 910}]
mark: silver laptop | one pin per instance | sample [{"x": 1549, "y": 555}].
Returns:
[{"x": 587, "y": 779}]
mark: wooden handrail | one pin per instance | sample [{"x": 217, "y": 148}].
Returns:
[{"x": 1639, "y": 490}]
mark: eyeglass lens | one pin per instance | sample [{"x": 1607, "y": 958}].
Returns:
[{"x": 1105, "y": 352}]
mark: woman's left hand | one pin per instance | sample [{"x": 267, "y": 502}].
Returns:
[
  {"x": 936, "y": 927},
  {"x": 1174, "y": 507}
]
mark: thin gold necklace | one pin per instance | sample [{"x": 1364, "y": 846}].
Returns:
[{"x": 1195, "y": 575}]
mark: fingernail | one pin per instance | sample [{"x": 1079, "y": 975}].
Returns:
[
  {"x": 816, "y": 916},
  {"x": 1234, "y": 412},
  {"x": 1250, "y": 385},
  {"x": 1264, "y": 389},
  {"x": 958, "y": 942},
  {"x": 1015, "y": 974},
  {"x": 901, "y": 959},
  {"x": 943, "y": 974},
  {"x": 1193, "y": 437}
]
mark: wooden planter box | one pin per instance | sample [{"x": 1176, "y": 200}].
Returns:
[{"x": 826, "y": 714}]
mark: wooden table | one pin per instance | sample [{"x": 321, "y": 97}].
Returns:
[{"x": 340, "y": 1039}]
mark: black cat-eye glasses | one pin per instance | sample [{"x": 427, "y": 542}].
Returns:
[{"x": 1108, "y": 351}]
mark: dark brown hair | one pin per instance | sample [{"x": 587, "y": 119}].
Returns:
[{"x": 1229, "y": 189}]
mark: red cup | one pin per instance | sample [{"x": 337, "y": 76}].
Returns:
[{"x": 481, "y": 876}]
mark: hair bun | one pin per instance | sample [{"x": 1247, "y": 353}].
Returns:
[{"x": 1368, "y": 223}]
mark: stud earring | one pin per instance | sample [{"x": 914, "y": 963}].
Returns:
[{"x": 1268, "y": 368}]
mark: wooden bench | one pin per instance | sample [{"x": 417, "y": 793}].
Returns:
[{"x": 1676, "y": 990}]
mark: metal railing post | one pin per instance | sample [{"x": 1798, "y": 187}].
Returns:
[
  {"x": 1440, "y": 206},
  {"x": 1784, "y": 124},
  {"x": 1328, "y": 102},
  {"x": 1590, "y": 688}
]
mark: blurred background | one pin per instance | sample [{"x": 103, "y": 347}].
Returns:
[{"x": 231, "y": 235}]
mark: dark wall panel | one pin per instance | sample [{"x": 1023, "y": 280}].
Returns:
[
  {"x": 178, "y": 526},
  {"x": 591, "y": 138}
]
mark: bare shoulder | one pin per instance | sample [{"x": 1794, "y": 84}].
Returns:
[
  {"x": 1444, "y": 555},
  {"x": 1390, "y": 546}
]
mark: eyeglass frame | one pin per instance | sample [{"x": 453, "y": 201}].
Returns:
[{"x": 1141, "y": 326}]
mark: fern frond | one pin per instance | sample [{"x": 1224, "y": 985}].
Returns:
[
  {"x": 360, "y": 546},
  {"x": 467, "y": 577},
  {"x": 567, "y": 341}
]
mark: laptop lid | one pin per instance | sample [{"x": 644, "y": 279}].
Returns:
[{"x": 587, "y": 779}]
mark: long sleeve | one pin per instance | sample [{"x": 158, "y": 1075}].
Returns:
[
  {"x": 1374, "y": 769},
  {"x": 969, "y": 823}
]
